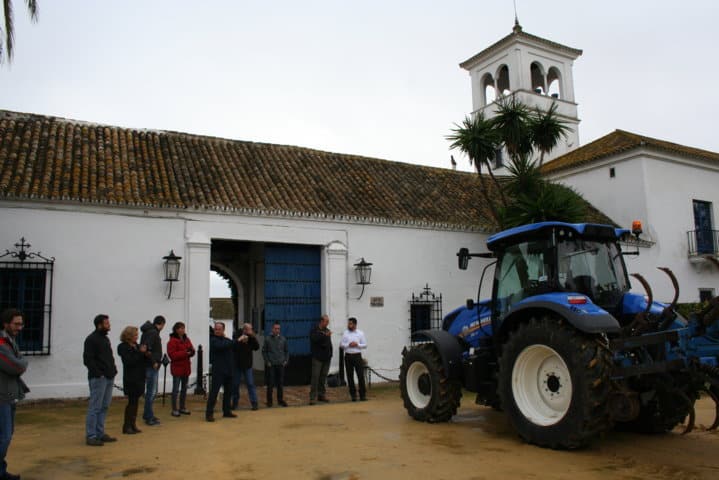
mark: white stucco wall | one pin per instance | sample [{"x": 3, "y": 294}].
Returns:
[
  {"x": 109, "y": 260},
  {"x": 658, "y": 190},
  {"x": 105, "y": 263}
]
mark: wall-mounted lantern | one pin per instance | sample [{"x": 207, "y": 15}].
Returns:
[
  {"x": 172, "y": 269},
  {"x": 363, "y": 272}
]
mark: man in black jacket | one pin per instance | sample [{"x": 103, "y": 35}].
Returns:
[
  {"x": 321, "y": 347},
  {"x": 220, "y": 372},
  {"x": 101, "y": 371},
  {"x": 245, "y": 344},
  {"x": 151, "y": 339}
]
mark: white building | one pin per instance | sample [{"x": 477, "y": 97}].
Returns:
[
  {"x": 671, "y": 188},
  {"x": 285, "y": 224}
]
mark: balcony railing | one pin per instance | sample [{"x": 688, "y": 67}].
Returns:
[{"x": 703, "y": 242}]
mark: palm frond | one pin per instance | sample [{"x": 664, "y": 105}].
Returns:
[
  {"x": 9, "y": 29},
  {"x": 512, "y": 121},
  {"x": 547, "y": 130},
  {"x": 33, "y": 9},
  {"x": 476, "y": 138}
]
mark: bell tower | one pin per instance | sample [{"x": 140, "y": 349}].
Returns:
[{"x": 536, "y": 70}]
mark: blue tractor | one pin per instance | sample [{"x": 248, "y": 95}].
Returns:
[{"x": 562, "y": 346}]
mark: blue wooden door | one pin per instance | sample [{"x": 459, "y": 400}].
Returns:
[
  {"x": 704, "y": 227},
  {"x": 292, "y": 293}
]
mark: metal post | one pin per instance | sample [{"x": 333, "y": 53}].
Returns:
[
  {"x": 199, "y": 389},
  {"x": 165, "y": 362},
  {"x": 342, "y": 368}
]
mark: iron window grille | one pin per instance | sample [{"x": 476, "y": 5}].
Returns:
[
  {"x": 425, "y": 311},
  {"x": 26, "y": 284}
]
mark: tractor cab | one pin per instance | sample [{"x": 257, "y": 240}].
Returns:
[{"x": 580, "y": 260}]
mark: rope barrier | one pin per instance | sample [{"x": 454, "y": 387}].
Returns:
[{"x": 382, "y": 376}]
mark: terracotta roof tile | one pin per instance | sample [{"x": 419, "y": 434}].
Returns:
[
  {"x": 54, "y": 159},
  {"x": 621, "y": 141}
]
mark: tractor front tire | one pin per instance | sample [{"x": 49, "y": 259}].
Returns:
[
  {"x": 554, "y": 383},
  {"x": 428, "y": 394}
]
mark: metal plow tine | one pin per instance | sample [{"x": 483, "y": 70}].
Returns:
[
  {"x": 675, "y": 283},
  {"x": 647, "y": 288},
  {"x": 714, "y": 397},
  {"x": 692, "y": 414}
]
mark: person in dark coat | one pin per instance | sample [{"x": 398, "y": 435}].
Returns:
[
  {"x": 180, "y": 350},
  {"x": 101, "y": 371},
  {"x": 151, "y": 339},
  {"x": 245, "y": 344},
  {"x": 221, "y": 349},
  {"x": 134, "y": 358},
  {"x": 321, "y": 348},
  {"x": 276, "y": 355}
]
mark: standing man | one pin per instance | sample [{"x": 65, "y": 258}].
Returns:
[
  {"x": 12, "y": 388},
  {"x": 245, "y": 344},
  {"x": 353, "y": 342},
  {"x": 276, "y": 355},
  {"x": 101, "y": 371},
  {"x": 220, "y": 372},
  {"x": 151, "y": 339},
  {"x": 321, "y": 347}
]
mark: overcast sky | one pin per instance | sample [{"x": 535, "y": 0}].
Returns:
[{"x": 375, "y": 78}]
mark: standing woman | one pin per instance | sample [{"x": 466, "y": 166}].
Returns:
[
  {"x": 134, "y": 362},
  {"x": 180, "y": 350}
]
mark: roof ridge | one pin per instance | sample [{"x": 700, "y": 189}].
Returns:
[
  {"x": 29, "y": 115},
  {"x": 622, "y": 140},
  {"x": 516, "y": 34}
]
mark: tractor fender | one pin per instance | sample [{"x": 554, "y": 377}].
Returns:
[
  {"x": 589, "y": 320},
  {"x": 449, "y": 348}
]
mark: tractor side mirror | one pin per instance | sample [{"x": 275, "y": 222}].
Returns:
[
  {"x": 463, "y": 258},
  {"x": 470, "y": 304}
]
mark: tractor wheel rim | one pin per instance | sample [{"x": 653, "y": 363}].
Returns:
[
  {"x": 541, "y": 385},
  {"x": 417, "y": 381}
]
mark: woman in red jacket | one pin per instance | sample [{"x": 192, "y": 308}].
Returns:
[{"x": 180, "y": 350}]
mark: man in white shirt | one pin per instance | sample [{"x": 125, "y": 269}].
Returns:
[{"x": 353, "y": 342}]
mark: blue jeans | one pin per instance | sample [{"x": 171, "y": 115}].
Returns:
[
  {"x": 150, "y": 392},
  {"x": 179, "y": 391},
  {"x": 7, "y": 426},
  {"x": 97, "y": 405},
  {"x": 237, "y": 381}
]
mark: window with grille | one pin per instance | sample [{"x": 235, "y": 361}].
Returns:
[
  {"x": 425, "y": 311},
  {"x": 26, "y": 284}
]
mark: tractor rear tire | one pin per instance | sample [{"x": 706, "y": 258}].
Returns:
[
  {"x": 554, "y": 383},
  {"x": 428, "y": 395}
]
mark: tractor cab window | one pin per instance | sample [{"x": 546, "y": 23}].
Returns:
[
  {"x": 524, "y": 270},
  {"x": 594, "y": 269}
]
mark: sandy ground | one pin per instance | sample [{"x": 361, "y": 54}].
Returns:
[{"x": 341, "y": 440}]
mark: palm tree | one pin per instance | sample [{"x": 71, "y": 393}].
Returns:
[
  {"x": 525, "y": 197},
  {"x": 512, "y": 121},
  {"x": 6, "y": 46},
  {"x": 547, "y": 129},
  {"x": 478, "y": 138}
]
